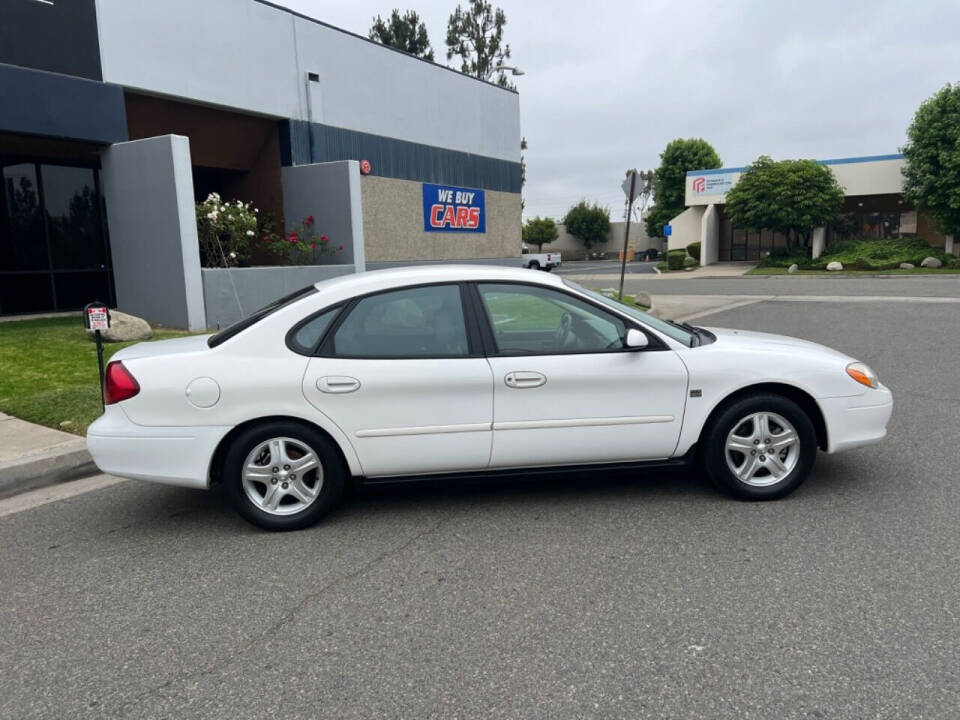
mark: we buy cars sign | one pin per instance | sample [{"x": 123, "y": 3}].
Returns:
[{"x": 453, "y": 209}]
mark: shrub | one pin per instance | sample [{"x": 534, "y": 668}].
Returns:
[
  {"x": 690, "y": 262},
  {"x": 694, "y": 250},
  {"x": 675, "y": 258},
  {"x": 302, "y": 245},
  {"x": 861, "y": 253},
  {"x": 225, "y": 230}
]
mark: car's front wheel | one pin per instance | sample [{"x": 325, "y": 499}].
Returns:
[
  {"x": 283, "y": 475},
  {"x": 760, "y": 447}
]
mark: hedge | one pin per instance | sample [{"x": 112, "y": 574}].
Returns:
[
  {"x": 675, "y": 258},
  {"x": 694, "y": 250}
]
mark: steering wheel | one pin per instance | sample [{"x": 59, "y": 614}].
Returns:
[{"x": 563, "y": 331}]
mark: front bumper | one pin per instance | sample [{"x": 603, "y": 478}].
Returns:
[
  {"x": 170, "y": 455},
  {"x": 857, "y": 421}
]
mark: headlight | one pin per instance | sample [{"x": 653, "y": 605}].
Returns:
[{"x": 862, "y": 373}]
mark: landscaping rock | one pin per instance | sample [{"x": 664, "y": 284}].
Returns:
[
  {"x": 793, "y": 268},
  {"x": 124, "y": 328},
  {"x": 930, "y": 262},
  {"x": 834, "y": 266},
  {"x": 906, "y": 266}
]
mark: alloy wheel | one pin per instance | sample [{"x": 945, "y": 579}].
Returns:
[
  {"x": 282, "y": 476},
  {"x": 762, "y": 449}
]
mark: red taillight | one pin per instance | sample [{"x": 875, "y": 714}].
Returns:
[{"x": 118, "y": 383}]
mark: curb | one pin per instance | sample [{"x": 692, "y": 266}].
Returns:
[{"x": 54, "y": 465}]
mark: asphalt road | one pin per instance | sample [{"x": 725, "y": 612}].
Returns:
[
  {"x": 606, "y": 267},
  {"x": 890, "y": 285},
  {"x": 607, "y": 596}
]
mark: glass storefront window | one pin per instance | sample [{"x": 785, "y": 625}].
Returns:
[
  {"x": 22, "y": 244},
  {"x": 53, "y": 247},
  {"x": 73, "y": 224}
]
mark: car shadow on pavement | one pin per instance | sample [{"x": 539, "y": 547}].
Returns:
[{"x": 173, "y": 510}]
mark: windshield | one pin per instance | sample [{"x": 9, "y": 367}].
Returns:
[
  {"x": 676, "y": 332},
  {"x": 241, "y": 325}
]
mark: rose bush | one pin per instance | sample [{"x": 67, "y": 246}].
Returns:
[
  {"x": 302, "y": 245},
  {"x": 225, "y": 231}
]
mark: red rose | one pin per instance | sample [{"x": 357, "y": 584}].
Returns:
[
  {"x": 324, "y": 239},
  {"x": 340, "y": 248},
  {"x": 293, "y": 237},
  {"x": 309, "y": 219},
  {"x": 313, "y": 246}
]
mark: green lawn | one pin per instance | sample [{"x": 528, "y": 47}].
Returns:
[{"x": 48, "y": 371}]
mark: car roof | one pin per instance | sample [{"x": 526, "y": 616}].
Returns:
[{"x": 375, "y": 280}]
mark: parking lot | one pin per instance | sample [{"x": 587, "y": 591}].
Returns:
[{"x": 605, "y": 595}]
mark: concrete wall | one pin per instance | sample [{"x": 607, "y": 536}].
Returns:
[
  {"x": 393, "y": 226},
  {"x": 251, "y": 56},
  {"x": 686, "y": 228},
  {"x": 572, "y": 248},
  {"x": 256, "y": 287},
  {"x": 709, "y": 236},
  {"x": 148, "y": 189},
  {"x": 331, "y": 193}
]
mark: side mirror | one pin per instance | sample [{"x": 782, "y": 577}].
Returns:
[{"x": 636, "y": 340}]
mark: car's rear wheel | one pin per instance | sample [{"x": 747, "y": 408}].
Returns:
[
  {"x": 283, "y": 475},
  {"x": 534, "y": 265},
  {"x": 760, "y": 447}
]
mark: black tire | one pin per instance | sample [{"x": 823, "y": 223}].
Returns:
[
  {"x": 714, "y": 454},
  {"x": 326, "y": 498},
  {"x": 534, "y": 265}
]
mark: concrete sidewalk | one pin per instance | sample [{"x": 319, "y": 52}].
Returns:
[
  {"x": 32, "y": 456},
  {"x": 686, "y": 307},
  {"x": 717, "y": 270}
]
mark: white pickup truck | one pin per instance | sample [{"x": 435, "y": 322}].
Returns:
[{"x": 540, "y": 261}]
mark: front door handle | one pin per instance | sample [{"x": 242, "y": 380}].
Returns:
[
  {"x": 524, "y": 379},
  {"x": 337, "y": 384}
]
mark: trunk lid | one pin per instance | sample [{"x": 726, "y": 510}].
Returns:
[{"x": 194, "y": 343}]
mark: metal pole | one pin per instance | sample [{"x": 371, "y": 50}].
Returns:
[
  {"x": 96, "y": 333},
  {"x": 626, "y": 234}
]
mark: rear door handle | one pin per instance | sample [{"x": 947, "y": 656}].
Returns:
[
  {"x": 524, "y": 379},
  {"x": 337, "y": 384}
]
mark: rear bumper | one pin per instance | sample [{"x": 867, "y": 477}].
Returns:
[
  {"x": 170, "y": 455},
  {"x": 857, "y": 421}
]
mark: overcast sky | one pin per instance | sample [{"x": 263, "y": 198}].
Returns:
[{"x": 609, "y": 83}]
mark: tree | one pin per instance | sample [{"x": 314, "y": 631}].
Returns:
[
  {"x": 680, "y": 156},
  {"x": 791, "y": 197},
  {"x": 476, "y": 35},
  {"x": 540, "y": 231},
  {"x": 588, "y": 223},
  {"x": 932, "y": 171},
  {"x": 404, "y": 32}
]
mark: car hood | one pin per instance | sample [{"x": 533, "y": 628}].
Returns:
[
  {"x": 194, "y": 343},
  {"x": 748, "y": 340}
]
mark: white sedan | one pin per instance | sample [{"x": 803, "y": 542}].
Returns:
[{"x": 447, "y": 371}]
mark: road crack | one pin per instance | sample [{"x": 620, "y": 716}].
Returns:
[{"x": 286, "y": 619}]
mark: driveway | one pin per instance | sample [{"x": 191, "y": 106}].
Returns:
[{"x": 606, "y": 596}]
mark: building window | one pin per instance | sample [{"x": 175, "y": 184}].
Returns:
[{"x": 53, "y": 246}]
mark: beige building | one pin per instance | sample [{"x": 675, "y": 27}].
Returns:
[{"x": 874, "y": 200}]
